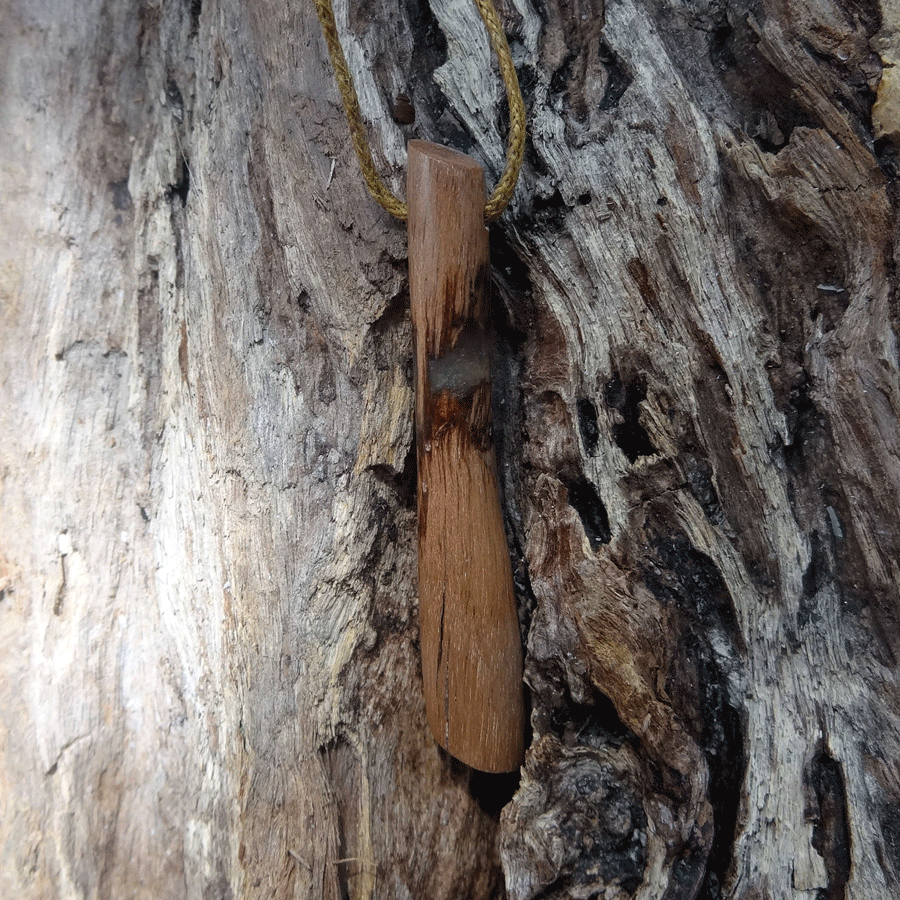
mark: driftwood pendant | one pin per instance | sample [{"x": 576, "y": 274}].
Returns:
[{"x": 471, "y": 645}]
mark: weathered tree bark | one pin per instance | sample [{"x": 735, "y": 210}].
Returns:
[{"x": 208, "y": 642}]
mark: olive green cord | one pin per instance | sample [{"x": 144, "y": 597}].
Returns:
[{"x": 502, "y": 193}]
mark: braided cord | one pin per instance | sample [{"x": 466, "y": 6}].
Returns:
[
  {"x": 502, "y": 193},
  {"x": 377, "y": 188}
]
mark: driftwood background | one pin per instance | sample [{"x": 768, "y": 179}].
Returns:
[{"x": 209, "y": 680}]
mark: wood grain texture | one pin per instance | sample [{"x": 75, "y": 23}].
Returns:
[
  {"x": 209, "y": 680},
  {"x": 208, "y": 666},
  {"x": 471, "y": 647}
]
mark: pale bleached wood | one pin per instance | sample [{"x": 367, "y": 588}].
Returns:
[
  {"x": 471, "y": 647},
  {"x": 208, "y": 665}
]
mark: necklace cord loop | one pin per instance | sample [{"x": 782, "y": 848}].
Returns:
[{"x": 503, "y": 191}]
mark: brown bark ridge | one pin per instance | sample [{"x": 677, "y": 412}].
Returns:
[{"x": 208, "y": 661}]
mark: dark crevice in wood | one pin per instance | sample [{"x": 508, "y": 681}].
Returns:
[
  {"x": 741, "y": 499},
  {"x": 493, "y": 791},
  {"x": 853, "y": 93},
  {"x": 697, "y": 687},
  {"x": 762, "y": 99},
  {"x": 549, "y": 212},
  {"x": 121, "y": 196},
  {"x": 721, "y": 45},
  {"x": 174, "y": 99},
  {"x": 182, "y": 187},
  {"x": 639, "y": 273},
  {"x": 61, "y": 592},
  {"x": 805, "y": 426},
  {"x": 591, "y": 725},
  {"x": 195, "y": 11},
  {"x": 534, "y": 163},
  {"x": 150, "y": 329},
  {"x": 388, "y": 616},
  {"x": 559, "y": 79},
  {"x": 721, "y": 737},
  {"x": 680, "y": 575},
  {"x": 889, "y": 822},
  {"x": 416, "y": 63},
  {"x": 617, "y": 78},
  {"x": 831, "y": 825},
  {"x": 437, "y": 118},
  {"x": 508, "y": 424},
  {"x": 449, "y": 132},
  {"x": 392, "y": 326},
  {"x": 699, "y": 476},
  {"x": 799, "y": 273},
  {"x": 402, "y": 483},
  {"x": 177, "y": 217},
  {"x": 430, "y": 53},
  {"x": 586, "y": 501},
  {"x": 528, "y": 82},
  {"x": 342, "y": 768},
  {"x": 587, "y": 424},
  {"x": 512, "y": 294},
  {"x": 887, "y": 153},
  {"x": 511, "y": 317},
  {"x": 585, "y": 76},
  {"x": 510, "y": 490},
  {"x": 525, "y": 599},
  {"x": 625, "y": 397},
  {"x": 816, "y": 576}
]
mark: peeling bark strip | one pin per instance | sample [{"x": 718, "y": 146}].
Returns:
[{"x": 471, "y": 646}]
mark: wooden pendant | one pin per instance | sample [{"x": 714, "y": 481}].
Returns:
[{"x": 471, "y": 645}]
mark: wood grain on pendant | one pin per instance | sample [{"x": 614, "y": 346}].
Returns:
[{"x": 471, "y": 645}]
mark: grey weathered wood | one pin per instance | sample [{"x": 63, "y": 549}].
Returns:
[{"x": 208, "y": 670}]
